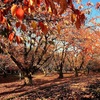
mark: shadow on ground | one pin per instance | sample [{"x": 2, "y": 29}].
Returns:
[{"x": 8, "y": 79}]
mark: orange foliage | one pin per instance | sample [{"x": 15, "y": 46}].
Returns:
[
  {"x": 33, "y": 24},
  {"x": 30, "y": 8},
  {"x": 13, "y": 9},
  {"x": 52, "y": 5},
  {"x": 63, "y": 5},
  {"x": 43, "y": 27},
  {"x": 58, "y": 28},
  {"x": 18, "y": 39},
  {"x": 20, "y": 13},
  {"x": 3, "y": 19},
  {"x": 11, "y": 36},
  {"x": 78, "y": 17},
  {"x": 23, "y": 27},
  {"x": 6, "y": 1},
  {"x": 18, "y": 24}
]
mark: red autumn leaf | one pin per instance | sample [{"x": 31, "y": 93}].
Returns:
[
  {"x": 11, "y": 36},
  {"x": 47, "y": 3},
  {"x": 6, "y": 11},
  {"x": 3, "y": 20},
  {"x": 6, "y": 1},
  {"x": 73, "y": 17},
  {"x": 1, "y": 16},
  {"x": 70, "y": 3},
  {"x": 82, "y": 18},
  {"x": 13, "y": 9},
  {"x": 78, "y": 24},
  {"x": 52, "y": 5},
  {"x": 38, "y": 2},
  {"x": 78, "y": 17},
  {"x": 43, "y": 27},
  {"x": 26, "y": 2},
  {"x": 58, "y": 28},
  {"x": 18, "y": 24},
  {"x": 20, "y": 13},
  {"x": 63, "y": 5},
  {"x": 34, "y": 25},
  {"x": 18, "y": 39},
  {"x": 76, "y": 11},
  {"x": 25, "y": 8},
  {"x": 23, "y": 27}
]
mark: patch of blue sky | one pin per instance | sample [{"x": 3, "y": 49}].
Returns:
[{"x": 93, "y": 11}]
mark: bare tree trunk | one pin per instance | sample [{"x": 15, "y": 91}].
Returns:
[
  {"x": 26, "y": 71},
  {"x": 61, "y": 71},
  {"x": 4, "y": 74},
  {"x": 86, "y": 71},
  {"x": 28, "y": 79},
  {"x": 44, "y": 72},
  {"x": 76, "y": 72}
]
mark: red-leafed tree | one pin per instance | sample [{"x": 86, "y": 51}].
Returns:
[
  {"x": 83, "y": 48},
  {"x": 29, "y": 24}
]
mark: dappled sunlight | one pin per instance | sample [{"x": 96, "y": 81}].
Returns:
[
  {"x": 80, "y": 86},
  {"x": 42, "y": 84}
]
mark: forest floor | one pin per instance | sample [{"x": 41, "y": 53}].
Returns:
[{"x": 84, "y": 87}]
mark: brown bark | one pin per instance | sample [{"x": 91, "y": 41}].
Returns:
[
  {"x": 76, "y": 72},
  {"x": 60, "y": 71},
  {"x": 28, "y": 80}
]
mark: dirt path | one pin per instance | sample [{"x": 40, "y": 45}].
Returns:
[{"x": 49, "y": 87}]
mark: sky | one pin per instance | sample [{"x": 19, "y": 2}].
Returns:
[{"x": 94, "y": 12}]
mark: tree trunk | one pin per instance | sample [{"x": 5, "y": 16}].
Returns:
[
  {"x": 21, "y": 75},
  {"x": 87, "y": 71},
  {"x": 44, "y": 72},
  {"x": 28, "y": 79},
  {"x": 76, "y": 72},
  {"x": 60, "y": 71},
  {"x": 4, "y": 74}
]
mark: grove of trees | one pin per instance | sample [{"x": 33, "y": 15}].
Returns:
[{"x": 38, "y": 34}]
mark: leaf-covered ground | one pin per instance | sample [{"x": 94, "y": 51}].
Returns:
[{"x": 51, "y": 88}]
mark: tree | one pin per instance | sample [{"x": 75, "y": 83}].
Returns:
[
  {"x": 79, "y": 46},
  {"x": 59, "y": 58},
  {"x": 27, "y": 23}
]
